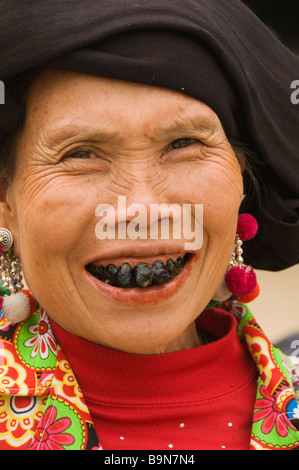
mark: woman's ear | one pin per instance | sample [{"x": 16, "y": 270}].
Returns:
[
  {"x": 241, "y": 159},
  {"x": 5, "y": 210}
]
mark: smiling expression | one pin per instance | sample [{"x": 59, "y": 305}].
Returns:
[{"x": 87, "y": 140}]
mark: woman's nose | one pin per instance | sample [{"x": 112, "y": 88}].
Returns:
[{"x": 148, "y": 208}]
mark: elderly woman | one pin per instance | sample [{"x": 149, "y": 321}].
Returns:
[{"x": 143, "y": 342}]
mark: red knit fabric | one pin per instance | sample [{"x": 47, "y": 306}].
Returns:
[{"x": 200, "y": 398}]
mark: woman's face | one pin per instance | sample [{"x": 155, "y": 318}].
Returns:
[{"x": 87, "y": 141}]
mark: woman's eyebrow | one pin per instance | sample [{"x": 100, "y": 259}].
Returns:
[
  {"x": 63, "y": 133},
  {"x": 58, "y": 134},
  {"x": 202, "y": 126}
]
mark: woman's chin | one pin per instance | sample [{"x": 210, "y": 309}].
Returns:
[{"x": 145, "y": 337}]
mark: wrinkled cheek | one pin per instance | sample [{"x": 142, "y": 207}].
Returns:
[
  {"x": 48, "y": 226},
  {"x": 220, "y": 193}
]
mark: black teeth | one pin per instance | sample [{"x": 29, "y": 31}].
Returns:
[
  {"x": 143, "y": 275},
  {"x": 160, "y": 275},
  {"x": 173, "y": 267},
  {"x": 179, "y": 263},
  {"x": 169, "y": 265},
  {"x": 110, "y": 272},
  {"x": 124, "y": 275}
]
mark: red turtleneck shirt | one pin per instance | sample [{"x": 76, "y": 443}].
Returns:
[{"x": 200, "y": 398}]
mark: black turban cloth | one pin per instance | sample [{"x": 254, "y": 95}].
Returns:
[{"x": 216, "y": 51}]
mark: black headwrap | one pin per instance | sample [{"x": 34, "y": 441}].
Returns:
[{"x": 214, "y": 50}]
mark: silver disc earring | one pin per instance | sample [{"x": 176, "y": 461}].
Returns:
[
  {"x": 6, "y": 239},
  {"x": 16, "y": 304},
  {"x": 10, "y": 266}
]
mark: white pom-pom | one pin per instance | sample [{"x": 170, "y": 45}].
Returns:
[
  {"x": 222, "y": 293},
  {"x": 16, "y": 307}
]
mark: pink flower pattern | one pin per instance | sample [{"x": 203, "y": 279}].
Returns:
[
  {"x": 43, "y": 339},
  {"x": 50, "y": 434},
  {"x": 271, "y": 414}
]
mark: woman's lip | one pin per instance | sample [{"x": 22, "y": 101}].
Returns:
[
  {"x": 140, "y": 295},
  {"x": 135, "y": 260},
  {"x": 138, "y": 250}
]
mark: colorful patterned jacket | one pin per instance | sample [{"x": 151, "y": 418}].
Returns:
[{"x": 42, "y": 407}]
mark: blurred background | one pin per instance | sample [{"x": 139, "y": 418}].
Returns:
[
  {"x": 277, "y": 307},
  {"x": 282, "y": 16}
]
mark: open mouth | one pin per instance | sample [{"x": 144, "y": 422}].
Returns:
[{"x": 142, "y": 275}]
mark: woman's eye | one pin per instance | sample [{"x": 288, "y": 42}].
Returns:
[
  {"x": 181, "y": 143},
  {"x": 79, "y": 154}
]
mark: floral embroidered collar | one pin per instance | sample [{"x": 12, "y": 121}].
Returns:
[
  {"x": 276, "y": 412},
  {"x": 54, "y": 415}
]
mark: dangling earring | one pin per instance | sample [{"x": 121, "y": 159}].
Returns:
[
  {"x": 240, "y": 280},
  {"x": 16, "y": 303}
]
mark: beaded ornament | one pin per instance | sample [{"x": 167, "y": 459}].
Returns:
[{"x": 16, "y": 303}]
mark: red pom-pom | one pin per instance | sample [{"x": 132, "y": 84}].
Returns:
[
  {"x": 32, "y": 301},
  {"x": 240, "y": 280},
  {"x": 247, "y": 227},
  {"x": 245, "y": 299}
]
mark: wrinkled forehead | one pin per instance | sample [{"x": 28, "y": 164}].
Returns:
[
  {"x": 62, "y": 102},
  {"x": 162, "y": 58}
]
